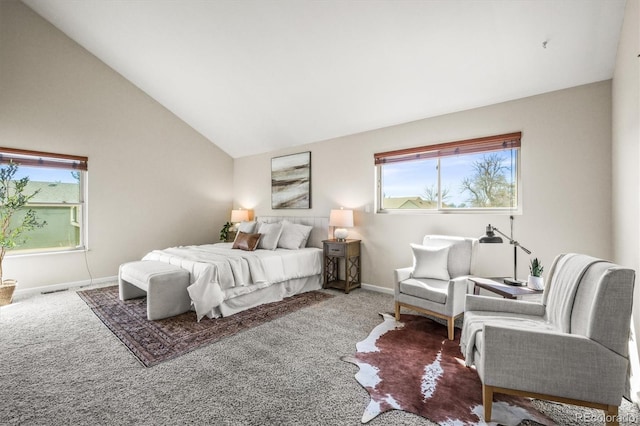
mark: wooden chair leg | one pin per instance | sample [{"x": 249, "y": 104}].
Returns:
[
  {"x": 397, "y": 311},
  {"x": 611, "y": 416},
  {"x": 487, "y": 401},
  {"x": 450, "y": 327}
]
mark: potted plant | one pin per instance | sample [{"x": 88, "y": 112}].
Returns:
[
  {"x": 535, "y": 281},
  {"x": 12, "y": 202},
  {"x": 224, "y": 232}
]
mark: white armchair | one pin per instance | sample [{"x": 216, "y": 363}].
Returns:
[{"x": 437, "y": 283}]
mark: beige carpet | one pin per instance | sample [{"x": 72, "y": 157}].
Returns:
[
  {"x": 61, "y": 365},
  {"x": 156, "y": 341}
]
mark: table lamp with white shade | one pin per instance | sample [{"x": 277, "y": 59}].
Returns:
[
  {"x": 341, "y": 219},
  {"x": 238, "y": 216}
]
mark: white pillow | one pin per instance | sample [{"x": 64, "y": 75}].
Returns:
[
  {"x": 430, "y": 262},
  {"x": 294, "y": 236},
  {"x": 247, "y": 227},
  {"x": 270, "y": 235}
]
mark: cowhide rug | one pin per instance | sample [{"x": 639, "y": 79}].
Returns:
[{"x": 411, "y": 365}]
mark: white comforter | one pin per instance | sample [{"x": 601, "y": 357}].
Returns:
[{"x": 219, "y": 272}]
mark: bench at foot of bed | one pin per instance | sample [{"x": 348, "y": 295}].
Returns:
[{"x": 165, "y": 286}]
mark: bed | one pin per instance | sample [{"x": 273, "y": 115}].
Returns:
[{"x": 225, "y": 280}]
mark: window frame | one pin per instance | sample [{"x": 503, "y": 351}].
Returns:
[
  {"x": 28, "y": 158},
  {"x": 438, "y": 151}
]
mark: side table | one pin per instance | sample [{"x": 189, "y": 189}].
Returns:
[
  {"x": 505, "y": 290},
  {"x": 334, "y": 252}
]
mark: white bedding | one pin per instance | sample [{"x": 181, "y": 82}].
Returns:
[{"x": 219, "y": 273}]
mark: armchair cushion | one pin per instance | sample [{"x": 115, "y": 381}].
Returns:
[
  {"x": 430, "y": 262},
  {"x": 434, "y": 290},
  {"x": 508, "y": 306},
  {"x": 472, "y": 338}
]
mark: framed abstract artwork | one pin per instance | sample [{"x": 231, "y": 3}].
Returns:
[{"x": 291, "y": 181}]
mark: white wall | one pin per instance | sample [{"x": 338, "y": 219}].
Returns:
[
  {"x": 626, "y": 156},
  {"x": 153, "y": 181},
  {"x": 566, "y": 174}
]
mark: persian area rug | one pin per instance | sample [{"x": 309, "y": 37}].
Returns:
[
  {"x": 153, "y": 342},
  {"x": 411, "y": 366}
]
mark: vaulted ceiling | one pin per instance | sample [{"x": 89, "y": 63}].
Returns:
[{"x": 254, "y": 76}]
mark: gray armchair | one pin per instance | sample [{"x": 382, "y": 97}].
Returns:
[
  {"x": 437, "y": 283},
  {"x": 572, "y": 347}
]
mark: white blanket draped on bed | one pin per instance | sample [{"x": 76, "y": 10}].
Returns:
[{"x": 215, "y": 268}]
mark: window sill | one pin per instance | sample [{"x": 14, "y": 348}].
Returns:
[{"x": 45, "y": 252}]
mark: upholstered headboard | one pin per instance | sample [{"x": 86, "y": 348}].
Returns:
[{"x": 320, "y": 225}]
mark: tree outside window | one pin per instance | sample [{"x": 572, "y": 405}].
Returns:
[{"x": 58, "y": 182}]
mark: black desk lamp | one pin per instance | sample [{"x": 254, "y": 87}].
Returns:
[{"x": 491, "y": 237}]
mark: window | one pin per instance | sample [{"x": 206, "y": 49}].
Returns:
[
  {"x": 60, "y": 201},
  {"x": 472, "y": 175}
]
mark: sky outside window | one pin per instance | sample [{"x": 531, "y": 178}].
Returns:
[
  {"x": 409, "y": 179},
  {"x": 44, "y": 174},
  {"x": 413, "y": 178}
]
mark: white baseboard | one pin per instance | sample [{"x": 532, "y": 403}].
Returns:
[
  {"x": 62, "y": 286},
  {"x": 379, "y": 289}
]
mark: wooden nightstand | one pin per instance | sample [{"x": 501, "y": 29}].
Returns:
[{"x": 334, "y": 250}]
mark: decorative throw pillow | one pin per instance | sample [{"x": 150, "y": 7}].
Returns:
[
  {"x": 245, "y": 241},
  {"x": 270, "y": 235},
  {"x": 294, "y": 236},
  {"x": 430, "y": 262},
  {"x": 247, "y": 227}
]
